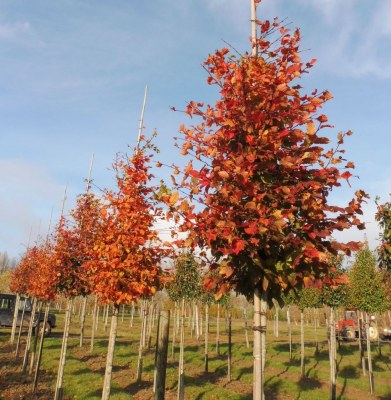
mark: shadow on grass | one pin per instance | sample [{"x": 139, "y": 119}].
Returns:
[
  {"x": 347, "y": 372},
  {"x": 306, "y": 384}
]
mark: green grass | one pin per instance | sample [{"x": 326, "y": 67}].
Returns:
[{"x": 84, "y": 370}]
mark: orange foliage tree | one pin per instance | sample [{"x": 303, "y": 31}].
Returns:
[
  {"x": 261, "y": 173},
  {"x": 128, "y": 250}
]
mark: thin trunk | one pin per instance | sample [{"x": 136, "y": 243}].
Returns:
[
  {"x": 258, "y": 350},
  {"x": 123, "y": 313},
  {"x": 206, "y": 356},
  {"x": 288, "y": 318},
  {"x": 20, "y": 328},
  {"x": 369, "y": 355},
  {"x": 142, "y": 343},
  {"x": 218, "y": 330},
  {"x": 276, "y": 329},
  {"x": 94, "y": 323},
  {"x": 229, "y": 369},
  {"x": 332, "y": 354},
  {"x": 28, "y": 340},
  {"x": 35, "y": 343},
  {"x": 61, "y": 365},
  {"x": 302, "y": 360},
  {"x": 174, "y": 332},
  {"x": 110, "y": 355},
  {"x": 106, "y": 316},
  {"x": 15, "y": 319},
  {"x": 181, "y": 380},
  {"x": 360, "y": 343},
  {"x": 82, "y": 320},
  {"x": 246, "y": 328},
  {"x": 38, "y": 365},
  {"x": 150, "y": 324},
  {"x": 132, "y": 315},
  {"x": 161, "y": 354},
  {"x": 316, "y": 332}
]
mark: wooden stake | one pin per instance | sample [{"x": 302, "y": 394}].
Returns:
[{"x": 140, "y": 127}]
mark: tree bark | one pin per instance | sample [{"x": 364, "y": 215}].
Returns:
[
  {"x": 302, "y": 359},
  {"x": 161, "y": 354},
  {"x": 61, "y": 365},
  {"x": 110, "y": 355},
  {"x": 369, "y": 355},
  {"x": 142, "y": 343},
  {"x": 38, "y": 364},
  {"x": 28, "y": 340},
  {"x": 206, "y": 355},
  {"x": 246, "y": 328},
  {"x": 229, "y": 369},
  {"x": 218, "y": 330},
  {"x": 20, "y": 328},
  {"x": 95, "y": 313},
  {"x": 360, "y": 343},
  {"x": 259, "y": 350},
  {"x": 82, "y": 320},
  {"x": 332, "y": 356},
  {"x": 15, "y": 319},
  {"x": 35, "y": 343},
  {"x": 181, "y": 380},
  {"x": 288, "y": 318}
]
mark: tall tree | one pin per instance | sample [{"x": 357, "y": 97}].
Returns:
[
  {"x": 366, "y": 294},
  {"x": 261, "y": 173},
  {"x": 128, "y": 251}
]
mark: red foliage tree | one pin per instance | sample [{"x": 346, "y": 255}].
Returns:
[{"x": 262, "y": 173}]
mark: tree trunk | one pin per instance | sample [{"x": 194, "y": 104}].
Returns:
[
  {"x": 20, "y": 328},
  {"x": 132, "y": 315},
  {"x": 35, "y": 343},
  {"x": 360, "y": 343},
  {"x": 302, "y": 360},
  {"x": 106, "y": 316},
  {"x": 61, "y": 365},
  {"x": 161, "y": 354},
  {"x": 276, "y": 321},
  {"x": 206, "y": 357},
  {"x": 95, "y": 313},
  {"x": 369, "y": 355},
  {"x": 174, "y": 332},
  {"x": 288, "y": 318},
  {"x": 123, "y": 313},
  {"x": 15, "y": 319},
  {"x": 110, "y": 355},
  {"x": 316, "y": 332},
  {"x": 181, "y": 380},
  {"x": 38, "y": 365},
  {"x": 28, "y": 340},
  {"x": 218, "y": 330},
  {"x": 259, "y": 350},
  {"x": 332, "y": 356},
  {"x": 82, "y": 320},
  {"x": 246, "y": 328},
  {"x": 142, "y": 343},
  {"x": 229, "y": 369}
]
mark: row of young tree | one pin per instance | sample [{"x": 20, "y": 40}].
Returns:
[{"x": 252, "y": 202}]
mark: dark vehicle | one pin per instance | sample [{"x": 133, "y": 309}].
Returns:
[{"x": 7, "y": 307}]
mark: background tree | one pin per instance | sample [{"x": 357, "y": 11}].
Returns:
[
  {"x": 261, "y": 174},
  {"x": 383, "y": 216},
  {"x": 308, "y": 298},
  {"x": 366, "y": 294},
  {"x": 334, "y": 294},
  {"x": 185, "y": 285}
]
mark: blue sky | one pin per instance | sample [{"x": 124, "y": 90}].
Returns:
[{"x": 72, "y": 77}]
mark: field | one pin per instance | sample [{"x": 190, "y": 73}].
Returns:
[{"x": 84, "y": 370}]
